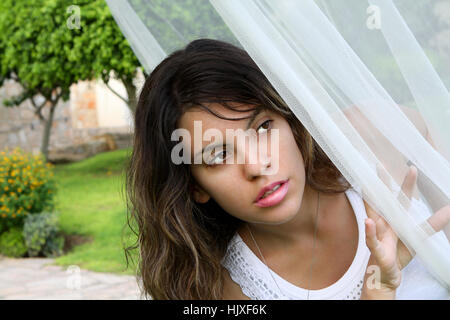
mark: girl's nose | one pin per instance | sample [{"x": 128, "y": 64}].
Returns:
[{"x": 254, "y": 169}]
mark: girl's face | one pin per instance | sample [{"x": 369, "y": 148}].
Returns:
[{"x": 235, "y": 185}]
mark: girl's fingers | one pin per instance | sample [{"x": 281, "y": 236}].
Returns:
[
  {"x": 371, "y": 213},
  {"x": 407, "y": 188},
  {"x": 440, "y": 219},
  {"x": 372, "y": 241},
  {"x": 408, "y": 185}
]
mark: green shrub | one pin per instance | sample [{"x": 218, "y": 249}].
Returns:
[
  {"x": 42, "y": 235},
  {"x": 12, "y": 243},
  {"x": 27, "y": 187}
]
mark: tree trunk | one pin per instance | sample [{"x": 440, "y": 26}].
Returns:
[
  {"x": 47, "y": 129},
  {"x": 131, "y": 92}
]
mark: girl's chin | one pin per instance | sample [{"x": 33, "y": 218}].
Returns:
[
  {"x": 279, "y": 220},
  {"x": 279, "y": 214}
]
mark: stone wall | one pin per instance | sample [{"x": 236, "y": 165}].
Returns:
[{"x": 75, "y": 134}]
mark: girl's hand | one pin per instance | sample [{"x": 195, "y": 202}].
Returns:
[{"x": 388, "y": 253}]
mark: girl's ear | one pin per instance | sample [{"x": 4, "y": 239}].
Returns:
[{"x": 200, "y": 195}]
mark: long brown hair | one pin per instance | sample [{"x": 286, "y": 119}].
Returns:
[{"x": 181, "y": 243}]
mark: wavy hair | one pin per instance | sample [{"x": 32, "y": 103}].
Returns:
[{"x": 181, "y": 243}]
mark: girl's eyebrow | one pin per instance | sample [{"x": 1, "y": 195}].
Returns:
[{"x": 253, "y": 117}]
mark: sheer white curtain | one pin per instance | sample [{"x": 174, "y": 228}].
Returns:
[{"x": 368, "y": 79}]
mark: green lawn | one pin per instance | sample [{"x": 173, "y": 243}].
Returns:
[{"x": 91, "y": 203}]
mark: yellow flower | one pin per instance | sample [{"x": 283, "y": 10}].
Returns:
[
  {"x": 6, "y": 188},
  {"x": 4, "y": 215},
  {"x": 19, "y": 190},
  {"x": 13, "y": 215}
]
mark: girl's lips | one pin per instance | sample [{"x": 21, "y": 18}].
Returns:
[{"x": 275, "y": 197}]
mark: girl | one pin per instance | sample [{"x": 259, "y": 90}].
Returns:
[{"x": 212, "y": 230}]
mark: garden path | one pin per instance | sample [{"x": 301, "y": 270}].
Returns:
[{"x": 38, "y": 279}]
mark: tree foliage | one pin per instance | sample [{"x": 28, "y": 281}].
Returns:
[
  {"x": 39, "y": 45},
  {"x": 48, "y": 45}
]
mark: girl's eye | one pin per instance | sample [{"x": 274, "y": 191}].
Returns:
[
  {"x": 219, "y": 158},
  {"x": 266, "y": 125}
]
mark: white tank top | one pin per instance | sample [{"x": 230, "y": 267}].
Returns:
[{"x": 253, "y": 276}]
